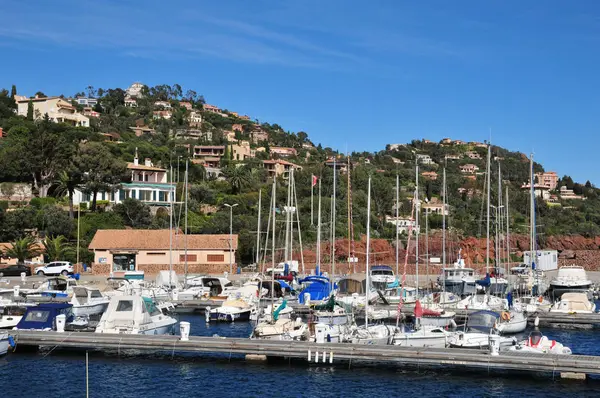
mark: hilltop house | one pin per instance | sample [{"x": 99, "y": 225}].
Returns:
[
  {"x": 435, "y": 207},
  {"x": 424, "y": 159},
  {"x": 539, "y": 190},
  {"x": 259, "y": 135},
  {"x": 208, "y": 155},
  {"x": 161, "y": 114},
  {"x": 87, "y": 101},
  {"x": 468, "y": 168},
  {"x": 566, "y": 194},
  {"x": 278, "y": 167},
  {"x": 473, "y": 155},
  {"x": 149, "y": 184},
  {"x": 57, "y": 109},
  {"x": 242, "y": 151},
  {"x": 195, "y": 119},
  {"x": 283, "y": 152},
  {"x": 185, "y": 104},
  {"x": 142, "y": 130},
  {"x": 340, "y": 164},
  {"x": 548, "y": 179},
  {"x": 130, "y": 102},
  {"x": 193, "y": 134},
  {"x": 119, "y": 250},
  {"x": 211, "y": 108},
  {"x": 135, "y": 90},
  {"x": 404, "y": 224},
  {"x": 431, "y": 175}
]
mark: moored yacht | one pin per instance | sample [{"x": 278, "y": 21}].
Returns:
[
  {"x": 571, "y": 303},
  {"x": 572, "y": 278},
  {"x": 134, "y": 315},
  {"x": 458, "y": 279},
  {"x": 88, "y": 301},
  {"x": 381, "y": 276}
]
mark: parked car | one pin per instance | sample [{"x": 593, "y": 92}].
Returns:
[
  {"x": 15, "y": 270},
  {"x": 55, "y": 268}
]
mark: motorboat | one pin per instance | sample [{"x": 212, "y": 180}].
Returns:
[
  {"x": 511, "y": 322},
  {"x": 134, "y": 315},
  {"x": 43, "y": 316},
  {"x": 537, "y": 343},
  {"x": 372, "y": 334},
  {"x": 531, "y": 304},
  {"x": 330, "y": 313},
  {"x": 572, "y": 278},
  {"x": 440, "y": 299},
  {"x": 381, "y": 276},
  {"x": 478, "y": 329},
  {"x": 232, "y": 311},
  {"x": 56, "y": 287},
  {"x": 204, "y": 287},
  {"x": 394, "y": 293},
  {"x": 4, "y": 343},
  {"x": 88, "y": 301},
  {"x": 458, "y": 279},
  {"x": 425, "y": 336},
  {"x": 281, "y": 329},
  {"x": 482, "y": 302},
  {"x": 574, "y": 303},
  {"x": 11, "y": 315}
]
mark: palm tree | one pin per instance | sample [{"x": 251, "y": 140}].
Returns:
[
  {"x": 23, "y": 248},
  {"x": 57, "y": 248},
  {"x": 66, "y": 184},
  {"x": 238, "y": 178}
]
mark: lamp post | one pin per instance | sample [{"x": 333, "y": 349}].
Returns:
[{"x": 230, "y": 236}]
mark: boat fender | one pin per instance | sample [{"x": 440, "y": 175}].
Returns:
[
  {"x": 505, "y": 316},
  {"x": 540, "y": 299},
  {"x": 11, "y": 341}
]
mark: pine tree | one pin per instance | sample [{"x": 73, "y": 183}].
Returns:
[
  {"x": 30, "y": 111},
  {"x": 13, "y": 91}
]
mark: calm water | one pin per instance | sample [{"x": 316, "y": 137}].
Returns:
[{"x": 160, "y": 375}]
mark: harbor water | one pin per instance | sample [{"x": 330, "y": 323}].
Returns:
[{"x": 128, "y": 373}]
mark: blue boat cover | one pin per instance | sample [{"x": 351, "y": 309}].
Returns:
[
  {"x": 394, "y": 284},
  {"x": 319, "y": 288},
  {"x": 482, "y": 321},
  {"x": 43, "y": 316},
  {"x": 284, "y": 285},
  {"x": 485, "y": 281}
]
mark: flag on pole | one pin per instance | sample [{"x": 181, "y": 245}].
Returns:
[{"x": 314, "y": 180}]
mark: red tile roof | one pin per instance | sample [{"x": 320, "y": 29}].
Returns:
[{"x": 151, "y": 239}]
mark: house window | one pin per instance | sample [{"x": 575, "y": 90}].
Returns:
[
  {"x": 146, "y": 177},
  {"x": 190, "y": 258},
  {"x": 215, "y": 258},
  {"x": 161, "y": 196},
  {"x": 154, "y": 196}
]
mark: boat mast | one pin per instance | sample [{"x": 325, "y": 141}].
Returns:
[
  {"x": 298, "y": 221},
  {"x": 333, "y": 223},
  {"x": 397, "y": 220},
  {"x": 443, "y": 231},
  {"x": 507, "y": 230},
  {"x": 367, "y": 254},
  {"x": 319, "y": 228},
  {"x": 186, "y": 225},
  {"x": 258, "y": 228},
  {"x": 417, "y": 209},
  {"x": 498, "y": 222},
  {"x": 350, "y": 223},
  {"x": 487, "y": 246},
  {"x": 273, "y": 252},
  {"x": 287, "y": 220},
  {"x": 171, "y": 231}
]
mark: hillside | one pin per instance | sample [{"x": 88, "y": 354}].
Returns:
[{"x": 99, "y": 131}]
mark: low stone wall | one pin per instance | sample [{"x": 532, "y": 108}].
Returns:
[{"x": 153, "y": 269}]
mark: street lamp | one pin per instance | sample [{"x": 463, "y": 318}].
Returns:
[{"x": 230, "y": 236}]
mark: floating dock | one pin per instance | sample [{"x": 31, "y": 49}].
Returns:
[{"x": 572, "y": 366}]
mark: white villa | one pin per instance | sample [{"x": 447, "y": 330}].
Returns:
[
  {"x": 149, "y": 184},
  {"x": 57, "y": 109}
]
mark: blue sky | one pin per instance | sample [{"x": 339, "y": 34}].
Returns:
[{"x": 353, "y": 74}]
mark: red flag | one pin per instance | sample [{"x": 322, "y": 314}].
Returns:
[{"x": 314, "y": 180}]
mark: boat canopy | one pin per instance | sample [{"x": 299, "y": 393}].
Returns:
[
  {"x": 43, "y": 315},
  {"x": 319, "y": 288},
  {"x": 381, "y": 268},
  {"x": 482, "y": 321},
  {"x": 355, "y": 283}
]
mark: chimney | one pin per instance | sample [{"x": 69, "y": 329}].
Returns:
[
  {"x": 135, "y": 159},
  {"x": 148, "y": 162}
]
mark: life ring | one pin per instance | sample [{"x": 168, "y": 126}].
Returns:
[
  {"x": 505, "y": 316},
  {"x": 540, "y": 299}
]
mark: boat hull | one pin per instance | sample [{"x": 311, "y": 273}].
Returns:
[
  {"x": 218, "y": 316},
  {"x": 409, "y": 340},
  {"x": 10, "y": 321},
  {"x": 90, "y": 309},
  {"x": 3, "y": 344},
  {"x": 461, "y": 288}
]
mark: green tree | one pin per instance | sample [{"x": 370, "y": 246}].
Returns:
[
  {"x": 57, "y": 248},
  {"x": 30, "y": 111},
  {"x": 238, "y": 178},
  {"x": 13, "y": 91},
  {"x": 134, "y": 213},
  {"x": 23, "y": 249},
  {"x": 102, "y": 172},
  {"x": 54, "y": 221},
  {"x": 66, "y": 184}
]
